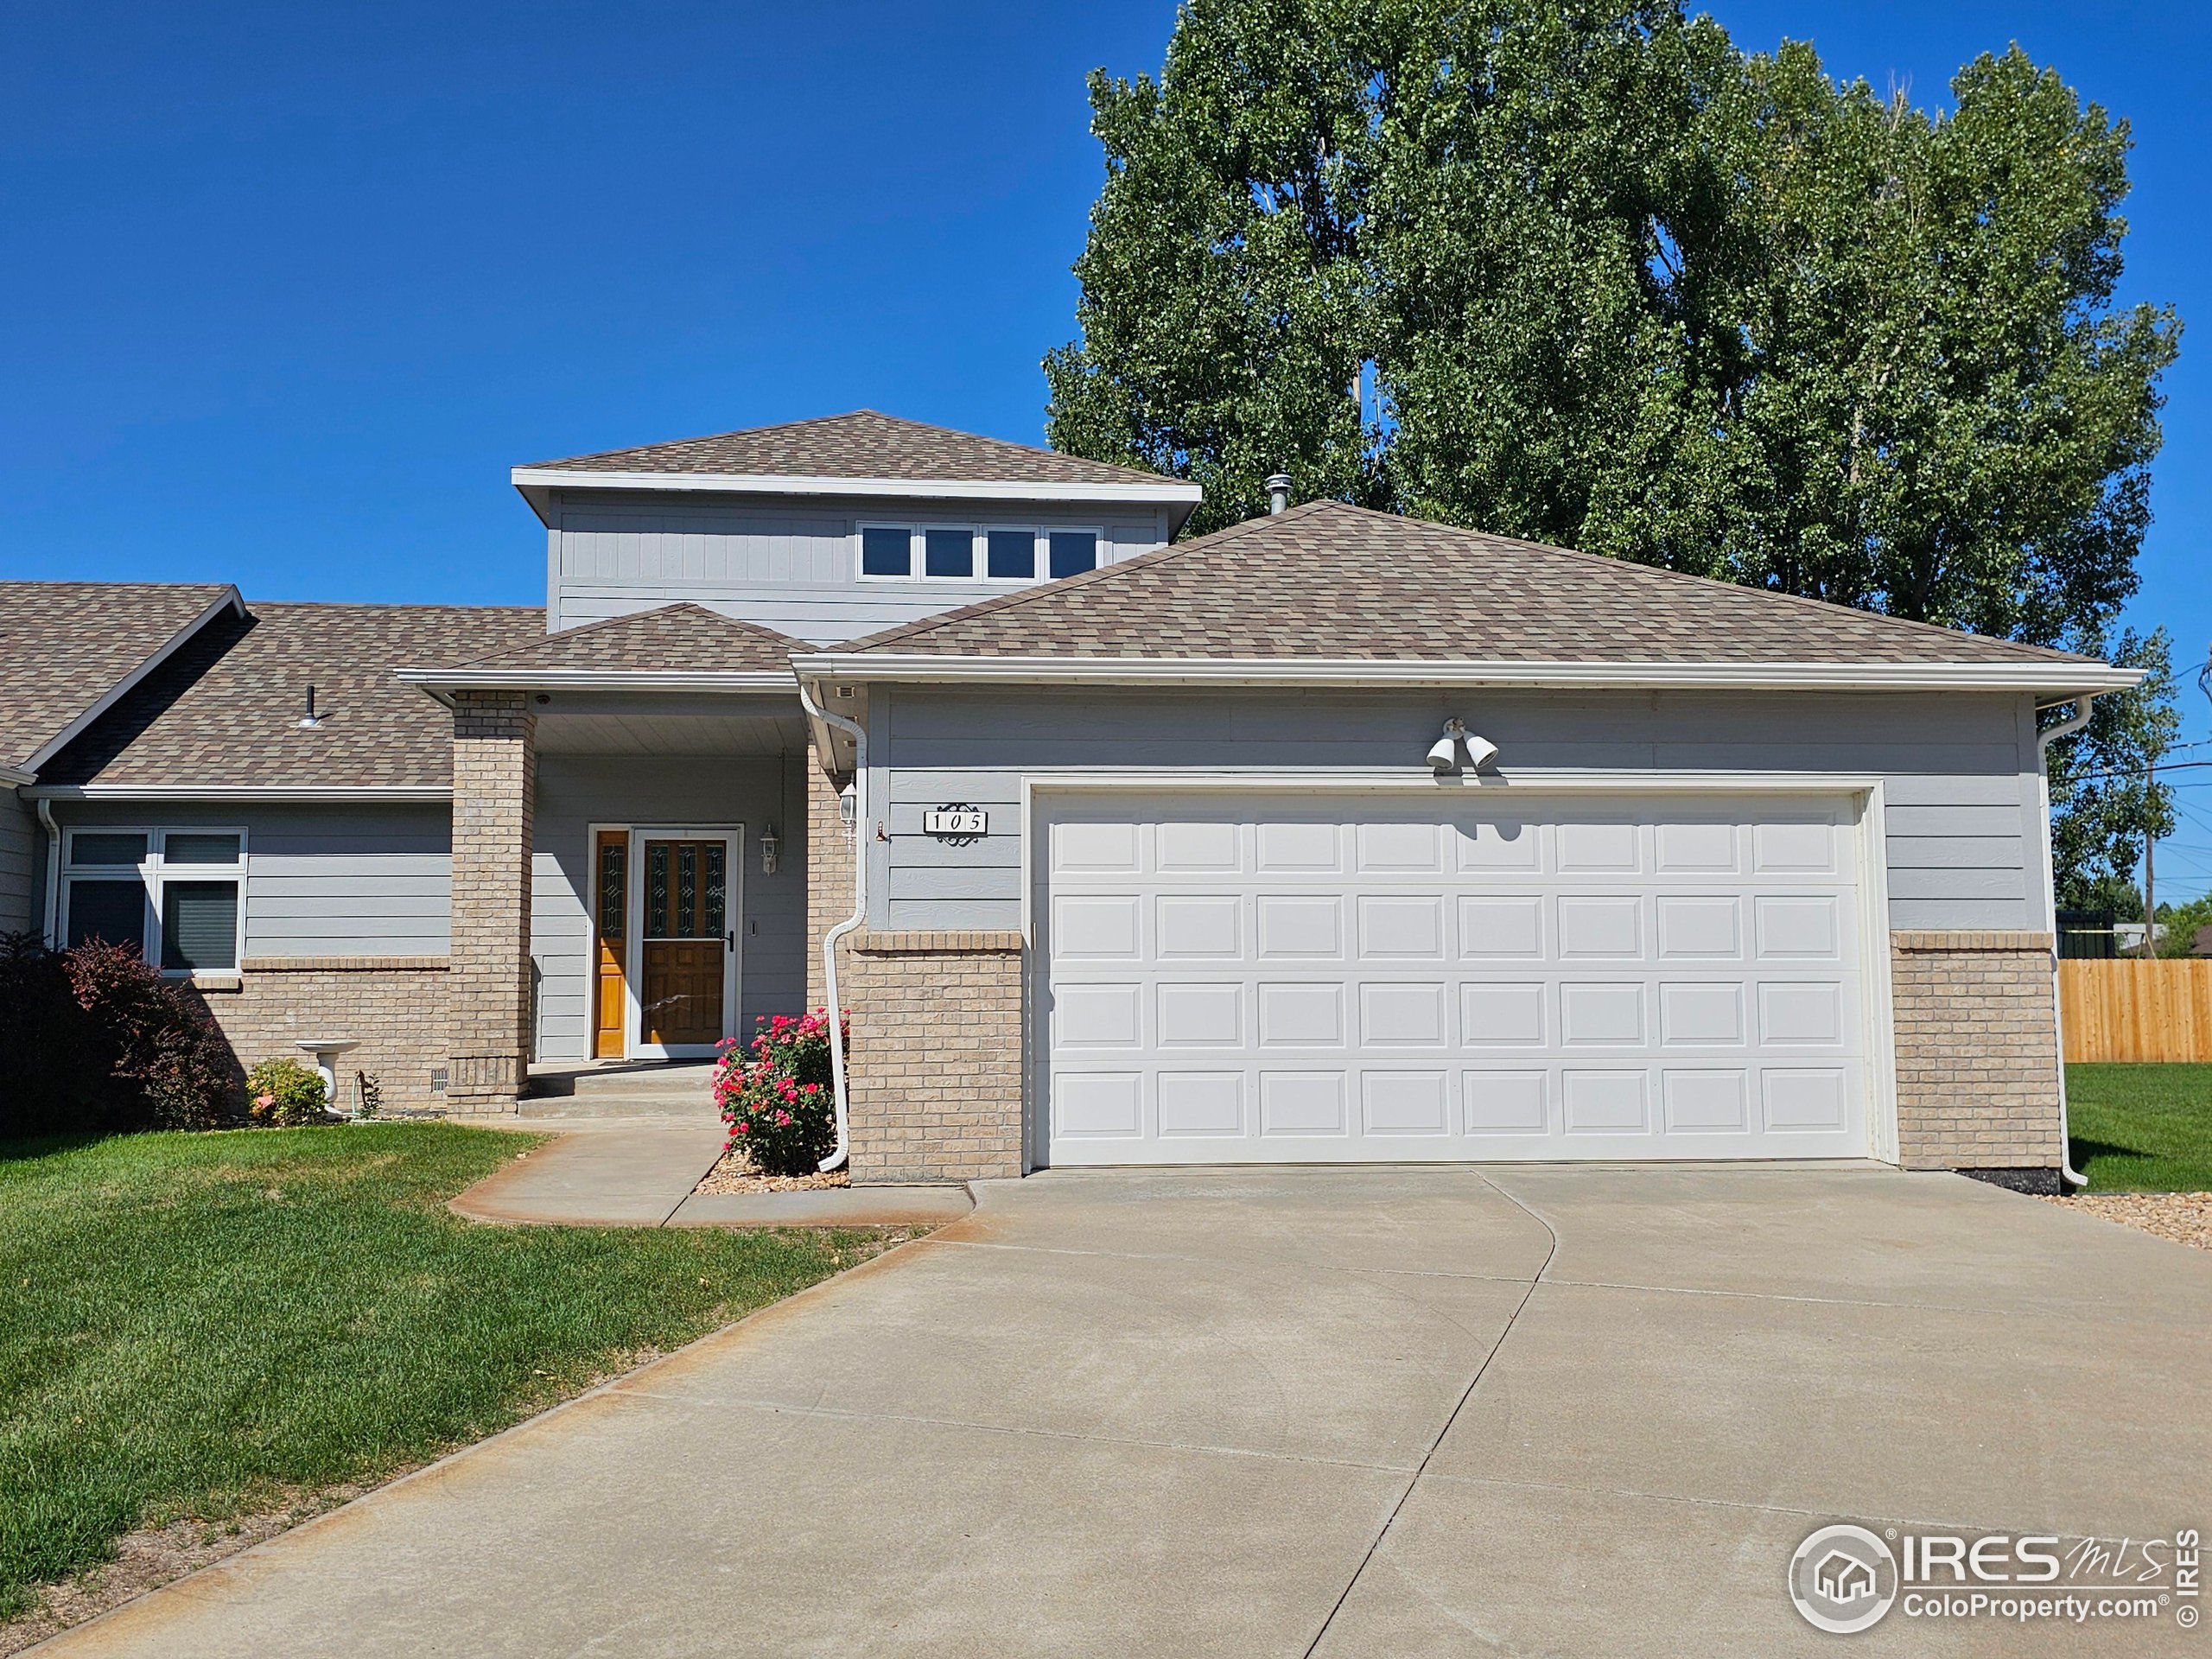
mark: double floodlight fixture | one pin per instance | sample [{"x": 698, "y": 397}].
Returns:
[{"x": 1444, "y": 753}]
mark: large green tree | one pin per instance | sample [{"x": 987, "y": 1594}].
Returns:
[{"x": 1589, "y": 274}]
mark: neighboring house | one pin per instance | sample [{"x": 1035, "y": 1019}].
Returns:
[{"x": 1169, "y": 854}]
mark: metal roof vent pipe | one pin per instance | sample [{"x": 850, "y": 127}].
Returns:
[
  {"x": 310, "y": 720},
  {"x": 1278, "y": 493}
]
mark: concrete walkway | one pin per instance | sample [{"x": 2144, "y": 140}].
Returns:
[
  {"x": 1349, "y": 1412},
  {"x": 619, "y": 1172}
]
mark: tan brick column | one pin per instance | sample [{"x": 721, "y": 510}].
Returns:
[
  {"x": 1977, "y": 1051},
  {"x": 937, "y": 1059},
  {"x": 829, "y": 880},
  {"x": 494, "y": 792}
]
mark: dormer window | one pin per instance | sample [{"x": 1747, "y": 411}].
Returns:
[{"x": 972, "y": 553}]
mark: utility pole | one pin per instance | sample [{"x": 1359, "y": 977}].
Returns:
[{"x": 2150, "y": 866}]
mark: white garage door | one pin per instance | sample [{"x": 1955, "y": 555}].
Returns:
[{"x": 1322, "y": 978}]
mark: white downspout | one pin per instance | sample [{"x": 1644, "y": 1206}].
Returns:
[
  {"x": 2073, "y": 723},
  {"x": 843, "y": 1150},
  {"x": 52, "y": 873}
]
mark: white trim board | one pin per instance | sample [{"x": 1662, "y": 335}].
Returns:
[
  {"x": 1166, "y": 492},
  {"x": 918, "y": 669}
]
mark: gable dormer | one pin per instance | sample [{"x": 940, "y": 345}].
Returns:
[{"x": 827, "y": 529}]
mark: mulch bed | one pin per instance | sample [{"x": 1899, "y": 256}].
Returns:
[
  {"x": 733, "y": 1174},
  {"x": 2184, "y": 1217}
]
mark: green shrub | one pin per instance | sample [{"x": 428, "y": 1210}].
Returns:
[
  {"x": 778, "y": 1102},
  {"x": 283, "y": 1093}
]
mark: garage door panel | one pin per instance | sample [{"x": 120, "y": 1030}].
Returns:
[
  {"x": 1302, "y": 980},
  {"x": 1499, "y": 846},
  {"x": 1403, "y": 1014},
  {"x": 1503, "y": 1016},
  {"x": 1699, "y": 926},
  {"x": 1201, "y": 849},
  {"x": 1302, "y": 1014},
  {"x": 1599, "y": 927},
  {"x": 1601, "y": 1014},
  {"x": 1508, "y": 928},
  {"x": 1606, "y": 845},
  {"x": 1702, "y": 1102},
  {"x": 1198, "y": 927},
  {"x": 1300, "y": 927},
  {"x": 1405, "y": 927},
  {"x": 1201, "y": 1104},
  {"x": 1301, "y": 1103},
  {"x": 1404, "y": 1102}
]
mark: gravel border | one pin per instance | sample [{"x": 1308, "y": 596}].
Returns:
[{"x": 2184, "y": 1217}]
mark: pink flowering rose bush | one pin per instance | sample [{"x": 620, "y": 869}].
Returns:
[{"x": 777, "y": 1096}]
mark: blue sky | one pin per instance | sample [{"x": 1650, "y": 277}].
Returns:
[{"x": 288, "y": 290}]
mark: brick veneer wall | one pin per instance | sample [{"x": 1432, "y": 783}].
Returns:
[
  {"x": 394, "y": 1006},
  {"x": 936, "y": 1059},
  {"x": 1977, "y": 1056},
  {"x": 494, "y": 795},
  {"x": 829, "y": 880}
]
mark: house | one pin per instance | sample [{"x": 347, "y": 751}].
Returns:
[{"x": 1331, "y": 836}]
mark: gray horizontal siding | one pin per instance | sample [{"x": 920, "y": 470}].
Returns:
[
  {"x": 575, "y": 792},
  {"x": 1964, "y": 833},
  {"x": 352, "y": 880},
  {"x": 19, "y": 856},
  {"x": 788, "y": 564}
]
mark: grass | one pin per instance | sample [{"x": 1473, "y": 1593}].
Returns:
[
  {"x": 200, "y": 1326},
  {"x": 2141, "y": 1129}
]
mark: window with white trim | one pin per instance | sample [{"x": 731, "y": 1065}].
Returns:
[
  {"x": 973, "y": 553},
  {"x": 177, "y": 896}
]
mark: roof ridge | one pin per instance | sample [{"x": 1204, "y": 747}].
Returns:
[{"x": 1065, "y": 584}]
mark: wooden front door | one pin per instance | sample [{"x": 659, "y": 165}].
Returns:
[
  {"x": 610, "y": 864},
  {"x": 684, "y": 940}
]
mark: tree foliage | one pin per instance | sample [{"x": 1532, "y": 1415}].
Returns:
[{"x": 1617, "y": 285}]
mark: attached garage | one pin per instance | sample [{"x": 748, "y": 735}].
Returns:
[
  {"x": 1293, "y": 978},
  {"x": 1335, "y": 837}
]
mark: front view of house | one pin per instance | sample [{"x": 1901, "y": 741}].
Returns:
[{"x": 1330, "y": 837}]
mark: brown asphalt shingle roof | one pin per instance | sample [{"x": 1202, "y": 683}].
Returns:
[
  {"x": 64, "y": 645},
  {"x": 863, "y": 444},
  {"x": 1326, "y": 580},
  {"x": 674, "y": 637},
  {"x": 224, "y": 711}
]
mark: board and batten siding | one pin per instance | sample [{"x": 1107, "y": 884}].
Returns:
[
  {"x": 1961, "y": 781},
  {"x": 21, "y": 848},
  {"x": 790, "y": 564},
  {"x": 576, "y": 793},
  {"x": 322, "y": 880}
]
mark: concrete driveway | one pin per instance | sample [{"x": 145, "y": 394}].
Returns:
[{"x": 1396, "y": 1412}]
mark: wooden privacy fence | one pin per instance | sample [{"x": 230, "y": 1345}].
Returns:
[{"x": 2129, "y": 1009}]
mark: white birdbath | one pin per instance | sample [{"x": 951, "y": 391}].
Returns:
[{"x": 326, "y": 1051}]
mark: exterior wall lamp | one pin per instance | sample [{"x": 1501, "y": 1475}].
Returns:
[
  {"x": 771, "y": 844},
  {"x": 1444, "y": 753}
]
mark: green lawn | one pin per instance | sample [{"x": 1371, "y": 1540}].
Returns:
[
  {"x": 2141, "y": 1129},
  {"x": 203, "y": 1325}
]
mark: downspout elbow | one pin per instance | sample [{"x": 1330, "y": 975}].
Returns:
[{"x": 842, "y": 1152}]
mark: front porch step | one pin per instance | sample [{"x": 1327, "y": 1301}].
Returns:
[
  {"x": 680, "y": 1089},
  {"x": 665, "y": 1079},
  {"x": 697, "y": 1108}
]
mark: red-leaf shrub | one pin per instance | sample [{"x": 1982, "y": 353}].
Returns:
[
  {"x": 54, "y": 1061},
  {"x": 172, "y": 1066},
  {"x": 779, "y": 1099}
]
